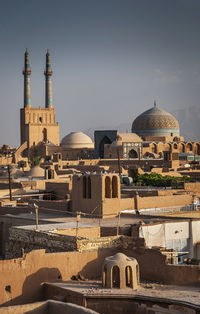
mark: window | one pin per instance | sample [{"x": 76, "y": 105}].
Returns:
[
  {"x": 107, "y": 187},
  {"x": 115, "y": 277},
  {"x": 114, "y": 187},
  {"x": 84, "y": 186},
  {"x": 129, "y": 276}
]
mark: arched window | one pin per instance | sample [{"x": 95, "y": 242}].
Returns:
[
  {"x": 154, "y": 148},
  {"x": 189, "y": 147},
  {"x": 44, "y": 133},
  {"x": 115, "y": 277},
  {"x": 138, "y": 274},
  {"x": 175, "y": 146},
  {"x": 114, "y": 187},
  {"x": 198, "y": 149},
  {"x": 89, "y": 187},
  {"x": 183, "y": 148},
  {"x": 129, "y": 276},
  {"x": 107, "y": 187},
  {"x": 104, "y": 279},
  {"x": 168, "y": 147},
  {"x": 84, "y": 186},
  {"x": 133, "y": 154}
]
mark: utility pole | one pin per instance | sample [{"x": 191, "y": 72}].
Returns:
[
  {"x": 78, "y": 217},
  {"x": 36, "y": 217},
  {"x": 9, "y": 183},
  {"x": 119, "y": 166}
]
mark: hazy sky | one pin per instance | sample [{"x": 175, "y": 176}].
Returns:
[{"x": 110, "y": 59}]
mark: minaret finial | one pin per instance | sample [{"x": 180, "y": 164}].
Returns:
[
  {"x": 48, "y": 82},
  {"x": 27, "y": 72},
  {"x": 154, "y": 103}
]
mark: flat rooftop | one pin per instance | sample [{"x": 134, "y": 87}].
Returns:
[
  {"x": 94, "y": 289},
  {"x": 58, "y": 226}
]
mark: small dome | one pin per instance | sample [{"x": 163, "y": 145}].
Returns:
[
  {"x": 119, "y": 257},
  {"x": 155, "y": 122},
  {"x": 36, "y": 172},
  {"x": 77, "y": 140}
]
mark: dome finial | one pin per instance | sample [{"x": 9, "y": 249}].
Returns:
[{"x": 154, "y": 103}]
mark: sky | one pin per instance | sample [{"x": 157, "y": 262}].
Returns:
[{"x": 110, "y": 59}]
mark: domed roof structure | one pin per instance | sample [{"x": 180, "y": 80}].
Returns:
[
  {"x": 36, "y": 172},
  {"x": 77, "y": 140},
  {"x": 156, "y": 122}
]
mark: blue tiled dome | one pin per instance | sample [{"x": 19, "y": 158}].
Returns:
[{"x": 155, "y": 122}]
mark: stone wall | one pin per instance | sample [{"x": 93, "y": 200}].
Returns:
[
  {"x": 108, "y": 242},
  {"x": 23, "y": 241}
]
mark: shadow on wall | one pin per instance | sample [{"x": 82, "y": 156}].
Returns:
[
  {"x": 32, "y": 290},
  {"x": 93, "y": 269}
]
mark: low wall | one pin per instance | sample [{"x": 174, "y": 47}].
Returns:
[
  {"x": 57, "y": 205},
  {"x": 28, "y": 240},
  {"x": 139, "y": 202},
  {"x": 24, "y": 240},
  {"x": 153, "y": 267},
  {"x": 163, "y": 201},
  {"x": 192, "y": 186},
  {"x": 21, "y": 278}
]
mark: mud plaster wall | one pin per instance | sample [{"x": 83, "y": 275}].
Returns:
[
  {"x": 23, "y": 276},
  {"x": 164, "y": 201},
  {"x": 32, "y": 240},
  {"x": 193, "y": 186},
  {"x": 153, "y": 267}
]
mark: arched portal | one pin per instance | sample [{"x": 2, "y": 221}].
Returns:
[
  {"x": 104, "y": 141},
  {"x": 133, "y": 154}
]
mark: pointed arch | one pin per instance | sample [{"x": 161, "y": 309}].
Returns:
[
  {"x": 107, "y": 187},
  {"x": 105, "y": 140},
  {"x": 114, "y": 187}
]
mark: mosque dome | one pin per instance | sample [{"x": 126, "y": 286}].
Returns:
[
  {"x": 156, "y": 122},
  {"x": 77, "y": 140}
]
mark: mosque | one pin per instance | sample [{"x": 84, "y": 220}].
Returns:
[{"x": 155, "y": 133}]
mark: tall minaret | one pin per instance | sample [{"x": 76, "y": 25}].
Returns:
[
  {"x": 48, "y": 82},
  {"x": 27, "y": 86}
]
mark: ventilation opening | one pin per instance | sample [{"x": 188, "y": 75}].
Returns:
[
  {"x": 129, "y": 277},
  {"x": 8, "y": 288},
  {"x": 116, "y": 278}
]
